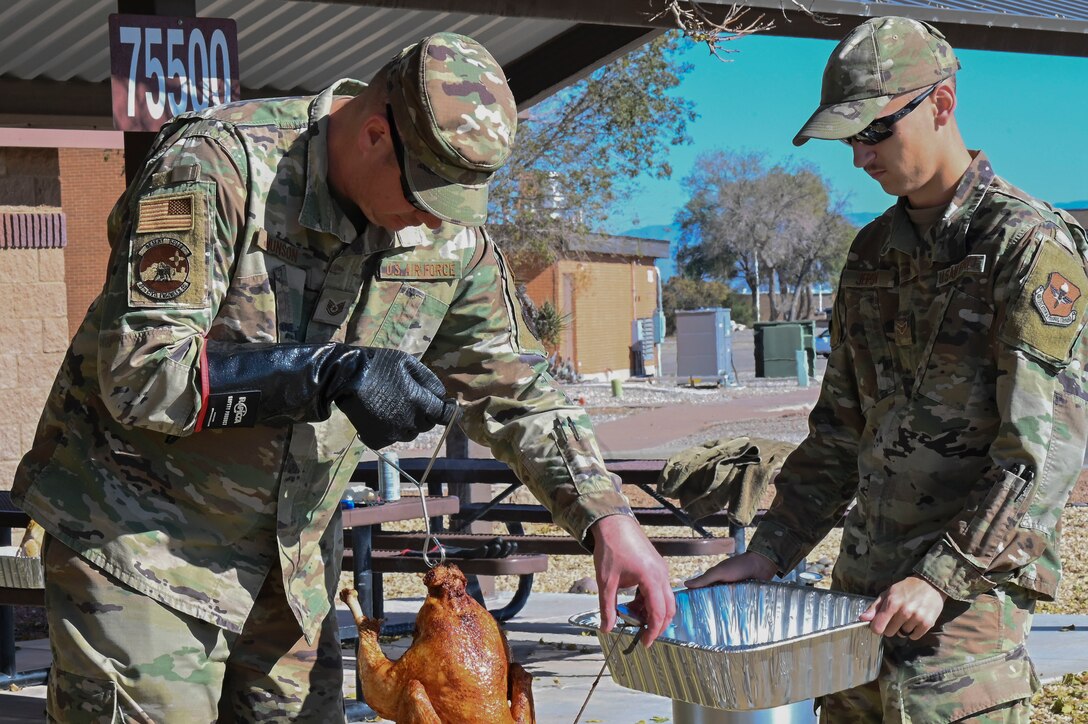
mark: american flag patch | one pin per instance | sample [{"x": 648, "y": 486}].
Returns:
[{"x": 165, "y": 213}]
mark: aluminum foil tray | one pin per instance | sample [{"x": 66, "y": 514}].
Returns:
[{"x": 747, "y": 645}]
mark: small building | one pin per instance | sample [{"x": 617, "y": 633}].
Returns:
[
  {"x": 55, "y": 187},
  {"x": 610, "y": 288}
]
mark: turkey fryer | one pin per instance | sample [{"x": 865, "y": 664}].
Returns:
[{"x": 747, "y": 645}]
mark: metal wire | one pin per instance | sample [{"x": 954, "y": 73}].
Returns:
[{"x": 427, "y": 560}]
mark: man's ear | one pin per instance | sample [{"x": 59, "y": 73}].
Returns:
[
  {"x": 944, "y": 98},
  {"x": 373, "y": 134}
]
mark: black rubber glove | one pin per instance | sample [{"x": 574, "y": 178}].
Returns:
[{"x": 387, "y": 394}]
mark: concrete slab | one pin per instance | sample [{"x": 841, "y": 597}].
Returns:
[
  {"x": 565, "y": 662},
  {"x": 1058, "y": 645}
]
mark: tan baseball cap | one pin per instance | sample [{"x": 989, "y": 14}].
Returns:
[{"x": 880, "y": 59}]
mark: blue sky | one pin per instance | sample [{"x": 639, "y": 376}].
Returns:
[{"x": 1027, "y": 112}]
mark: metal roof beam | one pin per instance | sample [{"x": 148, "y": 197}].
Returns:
[
  {"x": 599, "y": 12},
  {"x": 960, "y": 34},
  {"x": 569, "y": 57}
]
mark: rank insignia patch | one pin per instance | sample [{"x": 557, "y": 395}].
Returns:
[
  {"x": 1054, "y": 300},
  {"x": 163, "y": 268}
]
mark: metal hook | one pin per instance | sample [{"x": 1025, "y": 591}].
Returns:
[{"x": 427, "y": 560}]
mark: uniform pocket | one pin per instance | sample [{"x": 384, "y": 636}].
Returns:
[
  {"x": 289, "y": 285},
  {"x": 248, "y": 311},
  {"x": 958, "y": 356},
  {"x": 580, "y": 456},
  {"x": 960, "y": 691},
  {"x": 411, "y": 322},
  {"x": 1000, "y": 512},
  {"x": 864, "y": 328},
  {"x": 77, "y": 699}
]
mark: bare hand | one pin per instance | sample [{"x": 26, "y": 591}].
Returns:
[
  {"x": 624, "y": 557},
  {"x": 908, "y": 608},
  {"x": 738, "y": 568}
]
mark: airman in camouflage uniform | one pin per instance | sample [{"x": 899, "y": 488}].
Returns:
[
  {"x": 953, "y": 410},
  {"x": 278, "y": 268}
]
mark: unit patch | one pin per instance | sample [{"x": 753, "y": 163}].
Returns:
[
  {"x": 1054, "y": 300},
  {"x": 168, "y": 250},
  {"x": 162, "y": 267},
  {"x": 1047, "y": 313}
]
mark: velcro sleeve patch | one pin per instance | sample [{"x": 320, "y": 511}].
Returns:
[
  {"x": 1046, "y": 314},
  {"x": 168, "y": 250},
  {"x": 168, "y": 212}
]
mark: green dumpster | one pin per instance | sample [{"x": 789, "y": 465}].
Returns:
[{"x": 776, "y": 346}]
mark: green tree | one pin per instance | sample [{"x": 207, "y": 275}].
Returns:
[
  {"x": 681, "y": 292},
  {"x": 772, "y": 225},
  {"x": 579, "y": 153}
]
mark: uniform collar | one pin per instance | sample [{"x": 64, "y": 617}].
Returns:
[
  {"x": 320, "y": 211},
  {"x": 947, "y": 239}
]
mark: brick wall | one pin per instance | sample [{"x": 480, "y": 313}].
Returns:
[
  {"x": 91, "y": 180},
  {"x": 29, "y": 177}
]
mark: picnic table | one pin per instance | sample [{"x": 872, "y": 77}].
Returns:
[{"x": 471, "y": 481}]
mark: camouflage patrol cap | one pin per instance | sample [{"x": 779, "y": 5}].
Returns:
[
  {"x": 456, "y": 117},
  {"x": 877, "y": 61}
]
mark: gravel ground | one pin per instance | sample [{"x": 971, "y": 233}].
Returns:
[{"x": 1065, "y": 701}]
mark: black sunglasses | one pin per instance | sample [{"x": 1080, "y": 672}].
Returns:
[
  {"x": 881, "y": 128},
  {"x": 398, "y": 148}
]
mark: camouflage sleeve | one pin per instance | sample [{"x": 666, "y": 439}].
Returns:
[
  {"x": 819, "y": 478},
  {"x": 484, "y": 352},
  {"x": 1010, "y": 526},
  {"x": 173, "y": 237}
]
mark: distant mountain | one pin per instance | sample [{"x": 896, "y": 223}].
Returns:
[{"x": 1072, "y": 204}]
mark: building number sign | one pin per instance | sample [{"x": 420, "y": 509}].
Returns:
[{"x": 164, "y": 66}]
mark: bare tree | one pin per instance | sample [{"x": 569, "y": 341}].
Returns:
[
  {"x": 763, "y": 223},
  {"x": 718, "y": 23}
]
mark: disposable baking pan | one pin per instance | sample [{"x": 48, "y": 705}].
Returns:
[{"x": 747, "y": 645}]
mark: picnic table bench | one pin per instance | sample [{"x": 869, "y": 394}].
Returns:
[{"x": 471, "y": 480}]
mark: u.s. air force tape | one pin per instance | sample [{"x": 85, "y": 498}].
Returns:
[{"x": 232, "y": 409}]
